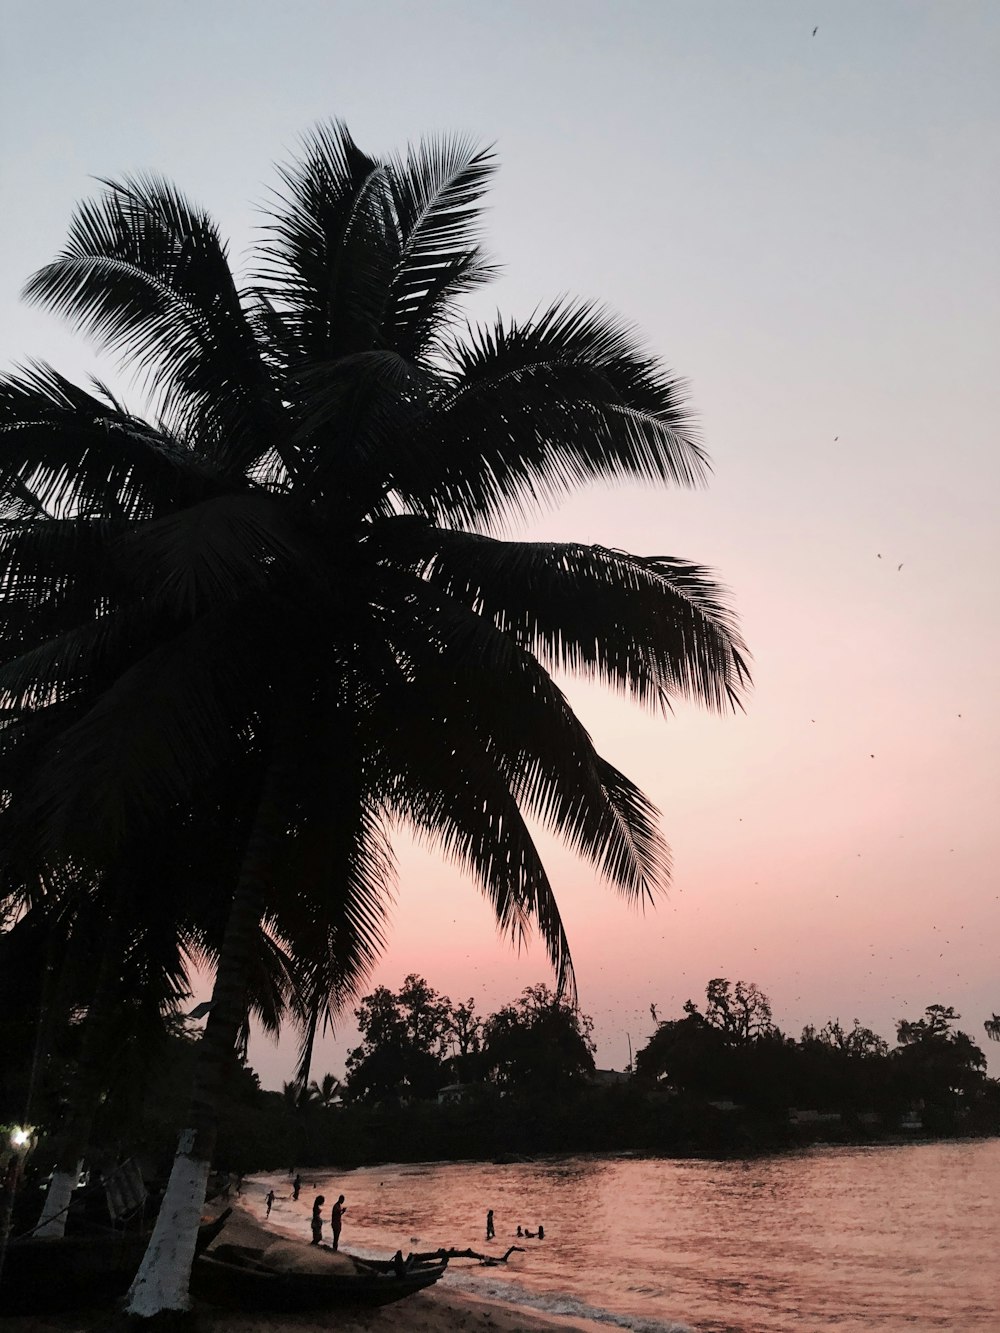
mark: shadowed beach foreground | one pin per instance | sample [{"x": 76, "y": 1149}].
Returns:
[{"x": 436, "y": 1311}]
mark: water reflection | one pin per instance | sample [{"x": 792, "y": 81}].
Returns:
[{"x": 853, "y": 1240}]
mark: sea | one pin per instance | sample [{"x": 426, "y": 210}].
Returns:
[{"x": 880, "y": 1239}]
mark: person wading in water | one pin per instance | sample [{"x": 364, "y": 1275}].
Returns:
[
  {"x": 337, "y": 1220},
  {"x": 317, "y": 1220}
]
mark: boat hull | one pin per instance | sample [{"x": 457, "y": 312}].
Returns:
[
  {"x": 42, "y": 1275},
  {"x": 69, "y": 1272},
  {"x": 244, "y": 1284}
]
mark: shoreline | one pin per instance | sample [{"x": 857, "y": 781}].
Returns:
[{"x": 440, "y": 1309}]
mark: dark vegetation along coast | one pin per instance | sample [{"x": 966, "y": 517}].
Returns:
[{"x": 433, "y": 1080}]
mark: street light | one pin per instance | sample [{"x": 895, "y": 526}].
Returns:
[{"x": 16, "y": 1142}]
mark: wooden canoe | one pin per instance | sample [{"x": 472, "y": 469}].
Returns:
[{"x": 236, "y": 1278}]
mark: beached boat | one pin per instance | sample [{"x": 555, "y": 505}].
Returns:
[
  {"x": 42, "y": 1275},
  {"x": 237, "y": 1277}
]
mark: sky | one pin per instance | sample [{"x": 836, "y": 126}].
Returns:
[{"x": 804, "y": 226}]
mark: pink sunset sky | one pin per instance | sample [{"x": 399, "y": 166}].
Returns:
[{"x": 805, "y": 228}]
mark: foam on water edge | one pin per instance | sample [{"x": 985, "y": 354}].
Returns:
[{"x": 514, "y": 1294}]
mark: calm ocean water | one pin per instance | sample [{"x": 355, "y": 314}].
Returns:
[{"x": 847, "y": 1239}]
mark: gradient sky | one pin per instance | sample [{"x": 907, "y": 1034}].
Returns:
[{"x": 803, "y": 226}]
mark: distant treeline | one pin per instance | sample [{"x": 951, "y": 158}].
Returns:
[{"x": 432, "y": 1080}]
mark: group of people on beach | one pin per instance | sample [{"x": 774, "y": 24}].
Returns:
[
  {"x": 336, "y": 1219},
  {"x": 270, "y": 1196},
  {"x": 340, "y": 1208},
  {"x": 521, "y": 1231},
  {"x": 316, "y": 1222}
]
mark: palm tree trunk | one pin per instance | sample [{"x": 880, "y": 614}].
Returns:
[
  {"x": 91, "y": 1068},
  {"x": 161, "y": 1284}
]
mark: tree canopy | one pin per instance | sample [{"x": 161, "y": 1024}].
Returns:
[{"x": 733, "y": 1051}]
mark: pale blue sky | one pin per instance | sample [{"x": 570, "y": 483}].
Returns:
[{"x": 803, "y": 226}]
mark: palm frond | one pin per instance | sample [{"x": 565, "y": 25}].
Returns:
[
  {"x": 535, "y": 410},
  {"x": 655, "y": 627},
  {"x": 334, "y": 885},
  {"x": 364, "y": 402},
  {"x": 63, "y": 666},
  {"x": 308, "y": 1028},
  {"x": 52, "y": 571},
  {"x": 67, "y": 453},
  {"x": 465, "y": 675},
  {"x": 224, "y": 549},
  {"x": 328, "y": 251},
  {"x": 436, "y": 192},
  {"x": 149, "y": 740},
  {"x": 452, "y": 795},
  {"x": 147, "y": 274}
]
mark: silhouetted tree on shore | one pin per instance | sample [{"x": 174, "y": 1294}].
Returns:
[
  {"x": 734, "y": 1052},
  {"x": 540, "y": 1041}
]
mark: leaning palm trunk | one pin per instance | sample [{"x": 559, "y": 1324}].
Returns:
[{"x": 161, "y": 1284}]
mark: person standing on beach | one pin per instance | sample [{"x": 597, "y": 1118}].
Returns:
[
  {"x": 296, "y": 1186},
  {"x": 337, "y": 1220},
  {"x": 490, "y": 1233},
  {"x": 269, "y": 1200},
  {"x": 317, "y": 1220}
]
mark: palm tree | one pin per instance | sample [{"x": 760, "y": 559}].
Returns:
[
  {"x": 289, "y": 567},
  {"x": 327, "y": 1091},
  {"x": 992, "y": 1026},
  {"x": 297, "y": 1094}
]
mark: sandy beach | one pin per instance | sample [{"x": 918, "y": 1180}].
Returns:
[{"x": 438, "y": 1310}]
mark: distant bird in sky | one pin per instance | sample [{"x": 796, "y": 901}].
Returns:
[
  {"x": 836, "y": 438},
  {"x": 815, "y": 31},
  {"x": 899, "y": 567}
]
